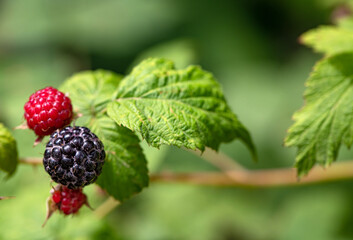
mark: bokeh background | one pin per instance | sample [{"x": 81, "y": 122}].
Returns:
[{"x": 252, "y": 48}]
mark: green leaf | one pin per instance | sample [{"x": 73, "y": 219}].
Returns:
[
  {"x": 125, "y": 170},
  {"x": 90, "y": 91},
  {"x": 8, "y": 151},
  {"x": 326, "y": 120},
  {"x": 176, "y": 107},
  {"x": 329, "y": 39}
]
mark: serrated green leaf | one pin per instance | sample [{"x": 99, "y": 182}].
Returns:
[
  {"x": 176, "y": 107},
  {"x": 90, "y": 91},
  {"x": 8, "y": 151},
  {"x": 125, "y": 170},
  {"x": 326, "y": 120},
  {"x": 329, "y": 39}
]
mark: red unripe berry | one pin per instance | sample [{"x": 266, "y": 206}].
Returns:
[
  {"x": 47, "y": 110},
  {"x": 69, "y": 201},
  {"x": 65, "y": 200}
]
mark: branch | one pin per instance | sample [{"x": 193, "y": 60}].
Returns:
[
  {"x": 3, "y": 198},
  {"x": 249, "y": 178},
  {"x": 260, "y": 178}
]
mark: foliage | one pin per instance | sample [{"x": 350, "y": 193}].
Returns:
[
  {"x": 8, "y": 151},
  {"x": 91, "y": 91},
  {"x": 329, "y": 39},
  {"x": 325, "y": 121},
  {"x": 260, "y": 66},
  {"x": 125, "y": 170},
  {"x": 176, "y": 107},
  {"x": 165, "y": 106}
]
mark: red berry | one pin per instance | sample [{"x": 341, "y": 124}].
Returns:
[
  {"x": 47, "y": 110},
  {"x": 69, "y": 201}
]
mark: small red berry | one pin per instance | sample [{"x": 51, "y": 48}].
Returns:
[
  {"x": 47, "y": 110},
  {"x": 65, "y": 200},
  {"x": 68, "y": 201}
]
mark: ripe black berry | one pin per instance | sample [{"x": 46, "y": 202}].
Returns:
[{"x": 74, "y": 157}]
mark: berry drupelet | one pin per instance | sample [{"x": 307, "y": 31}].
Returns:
[
  {"x": 74, "y": 157},
  {"x": 47, "y": 110}
]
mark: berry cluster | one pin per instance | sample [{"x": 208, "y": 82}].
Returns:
[
  {"x": 68, "y": 201},
  {"x": 47, "y": 110},
  {"x": 74, "y": 157}
]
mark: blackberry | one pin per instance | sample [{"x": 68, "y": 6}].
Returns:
[{"x": 74, "y": 157}]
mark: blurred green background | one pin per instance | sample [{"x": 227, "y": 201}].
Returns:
[{"x": 252, "y": 48}]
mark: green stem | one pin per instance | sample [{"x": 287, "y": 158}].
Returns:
[{"x": 106, "y": 207}]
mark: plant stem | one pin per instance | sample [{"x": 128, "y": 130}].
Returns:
[
  {"x": 106, "y": 207},
  {"x": 249, "y": 178},
  {"x": 7, "y": 197},
  {"x": 260, "y": 178}
]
